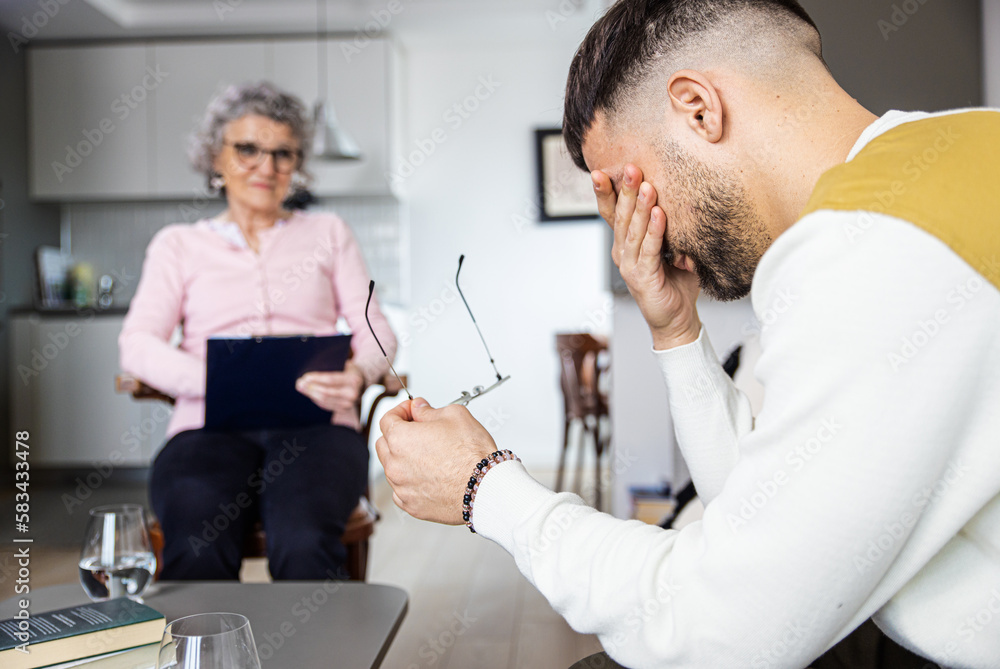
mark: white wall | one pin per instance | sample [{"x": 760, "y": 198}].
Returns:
[
  {"x": 471, "y": 195},
  {"x": 644, "y": 450},
  {"x": 991, "y": 52},
  {"x": 642, "y": 441}
]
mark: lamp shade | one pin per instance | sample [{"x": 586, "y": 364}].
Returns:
[{"x": 331, "y": 141}]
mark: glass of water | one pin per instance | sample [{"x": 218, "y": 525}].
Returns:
[
  {"x": 117, "y": 558},
  {"x": 208, "y": 641}
]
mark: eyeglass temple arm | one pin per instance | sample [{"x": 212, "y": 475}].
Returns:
[
  {"x": 371, "y": 291},
  {"x": 461, "y": 259}
]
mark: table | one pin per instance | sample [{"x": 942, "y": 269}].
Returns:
[
  {"x": 597, "y": 661},
  {"x": 302, "y": 624}
]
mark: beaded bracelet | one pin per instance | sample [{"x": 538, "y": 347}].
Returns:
[{"x": 472, "y": 488}]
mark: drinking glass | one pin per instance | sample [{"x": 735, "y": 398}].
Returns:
[
  {"x": 117, "y": 558},
  {"x": 208, "y": 641}
]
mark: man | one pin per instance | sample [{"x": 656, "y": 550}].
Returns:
[{"x": 725, "y": 156}]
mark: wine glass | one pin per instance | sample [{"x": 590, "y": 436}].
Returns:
[
  {"x": 208, "y": 641},
  {"x": 117, "y": 558}
]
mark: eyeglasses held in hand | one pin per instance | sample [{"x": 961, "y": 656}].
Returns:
[
  {"x": 466, "y": 396},
  {"x": 249, "y": 156}
]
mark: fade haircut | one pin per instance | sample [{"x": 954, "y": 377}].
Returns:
[{"x": 637, "y": 39}]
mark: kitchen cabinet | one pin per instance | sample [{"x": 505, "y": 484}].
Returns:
[
  {"x": 148, "y": 157},
  {"x": 62, "y": 392},
  {"x": 197, "y": 72},
  {"x": 88, "y": 122},
  {"x": 358, "y": 88}
]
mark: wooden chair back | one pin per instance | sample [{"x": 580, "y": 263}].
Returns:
[
  {"x": 580, "y": 374},
  {"x": 582, "y": 363}
]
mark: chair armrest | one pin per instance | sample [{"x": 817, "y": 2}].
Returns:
[
  {"x": 126, "y": 383},
  {"x": 391, "y": 384},
  {"x": 392, "y": 387}
]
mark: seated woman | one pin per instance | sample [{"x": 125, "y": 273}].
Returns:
[{"x": 255, "y": 269}]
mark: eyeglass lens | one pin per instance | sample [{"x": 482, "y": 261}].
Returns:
[{"x": 251, "y": 155}]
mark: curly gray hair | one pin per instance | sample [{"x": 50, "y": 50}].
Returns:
[{"x": 263, "y": 99}]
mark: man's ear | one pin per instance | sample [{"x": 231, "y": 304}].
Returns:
[{"x": 694, "y": 97}]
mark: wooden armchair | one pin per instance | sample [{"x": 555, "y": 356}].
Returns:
[
  {"x": 581, "y": 366},
  {"x": 360, "y": 524}
]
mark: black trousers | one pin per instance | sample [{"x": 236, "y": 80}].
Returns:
[
  {"x": 869, "y": 648},
  {"x": 209, "y": 488},
  {"x": 865, "y": 648}
]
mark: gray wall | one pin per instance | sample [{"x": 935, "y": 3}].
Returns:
[
  {"x": 991, "y": 53},
  {"x": 932, "y": 62},
  {"x": 23, "y": 225}
]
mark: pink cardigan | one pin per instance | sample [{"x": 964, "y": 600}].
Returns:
[{"x": 204, "y": 277}]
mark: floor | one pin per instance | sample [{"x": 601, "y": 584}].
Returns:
[{"x": 469, "y": 607}]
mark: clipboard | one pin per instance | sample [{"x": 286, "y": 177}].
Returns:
[{"x": 250, "y": 381}]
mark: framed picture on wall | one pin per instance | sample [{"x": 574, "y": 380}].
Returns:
[{"x": 565, "y": 192}]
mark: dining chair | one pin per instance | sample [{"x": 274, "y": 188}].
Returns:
[{"x": 583, "y": 362}]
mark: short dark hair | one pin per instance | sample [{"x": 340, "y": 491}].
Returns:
[{"x": 618, "y": 50}]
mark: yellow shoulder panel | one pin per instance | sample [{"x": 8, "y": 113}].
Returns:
[{"x": 942, "y": 174}]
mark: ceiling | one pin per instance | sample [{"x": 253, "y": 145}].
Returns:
[{"x": 116, "y": 19}]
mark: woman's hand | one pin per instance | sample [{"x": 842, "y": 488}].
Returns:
[
  {"x": 666, "y": 295},
  {"x": 429, "y": 455},
  {"x": 333, "y": 391}
]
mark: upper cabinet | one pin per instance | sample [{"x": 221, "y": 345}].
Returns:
[
  {"x": 151, "y": 97},
  {"x": 196, "y": 72},
  {"x": 89, "y": 121},
  {"x": 358, "y": 90}
]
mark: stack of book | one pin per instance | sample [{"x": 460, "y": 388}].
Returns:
[
  {"x": 116, "y": 634},
  {"x": 652, "y": 504}
]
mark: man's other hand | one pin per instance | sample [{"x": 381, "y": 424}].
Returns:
[
  {"x": 429, "y": 455},
  {"x": 666, "y": 295}
]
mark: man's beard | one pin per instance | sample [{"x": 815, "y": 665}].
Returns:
[{"x": 725, "y": 237}]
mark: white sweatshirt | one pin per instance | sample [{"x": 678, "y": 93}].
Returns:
[{"x": 869, "y": 485}]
